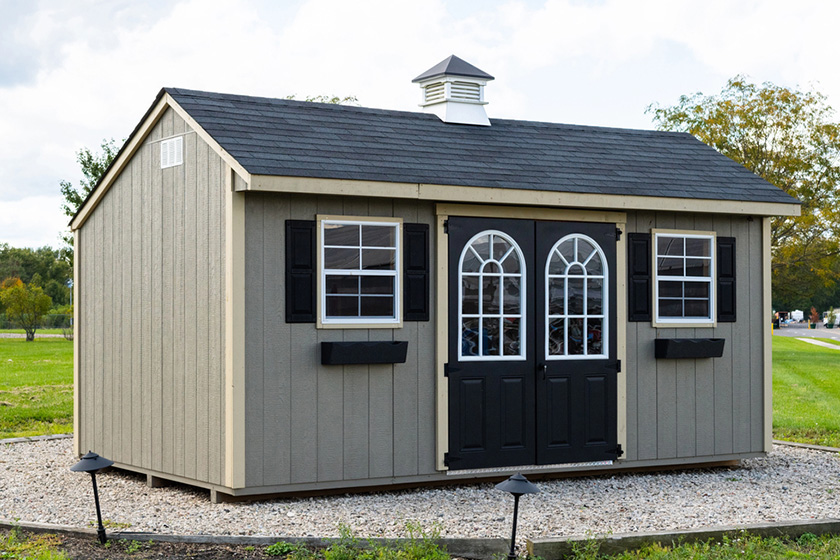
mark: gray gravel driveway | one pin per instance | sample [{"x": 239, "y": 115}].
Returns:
[{"x": 789, "y": 484}]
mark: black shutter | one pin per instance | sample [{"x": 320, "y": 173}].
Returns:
[
  {"x": 726, "y": 279},
  {"x": 639, "y": 285},
  {"x": 415, "y": 272},
  {"x": 300, "y": 271}
]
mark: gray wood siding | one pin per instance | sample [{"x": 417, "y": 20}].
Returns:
[
  {"x": 678, "y": 409},
  {"x": 151, "y": 313},
  {"x": 307, "y": 423}
]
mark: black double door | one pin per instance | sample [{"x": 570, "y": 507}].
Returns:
[{"x": 532, "y": 346}]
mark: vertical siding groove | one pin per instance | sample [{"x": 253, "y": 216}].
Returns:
[
  {"x": 254, "y": 353},
  {"x": 757, "y": 322},
  {"x": 646, "y": 391}
]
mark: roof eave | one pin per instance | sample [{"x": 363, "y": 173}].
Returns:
[{"x": 522, "y": 197}]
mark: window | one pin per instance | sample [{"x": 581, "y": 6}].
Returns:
[
  {"x": 359, "y": 263},
  {"x": 492, "y": 299},
  {"x": 576, "y": 296},
  {"x": 684, "y": 269}
]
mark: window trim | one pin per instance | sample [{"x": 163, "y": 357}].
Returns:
[
  {"x": 322, "y": 322},
  {"x": 680, "y": 322}
]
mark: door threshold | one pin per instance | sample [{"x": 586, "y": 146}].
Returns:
[{"x": 519, "y": 468}]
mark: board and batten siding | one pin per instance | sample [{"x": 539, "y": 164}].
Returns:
[
  {"x": 150, "y": 313},
  {"x": 309, "y": 425},
  {"x": 695, "y": 410}
]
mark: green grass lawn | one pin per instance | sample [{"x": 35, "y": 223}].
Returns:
[
  {"x": 39, "y": 331},
  {"x": 806, "y": 392},
  {"x": 743, "y": 547},
  {"x": 36, "y": 387}
]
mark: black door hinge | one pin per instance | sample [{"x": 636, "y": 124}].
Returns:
[
  {"x": 618, "y": 451},
  {"x": 617, "y": 234},
  {"x": 449, "y": 459},
  {"x": 445, "y": 226},
  {"x": 447, "y": 369},
  {"x": 617, "y": 366}
]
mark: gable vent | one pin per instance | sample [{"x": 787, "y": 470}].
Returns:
[{"x": 172, "y": 152}]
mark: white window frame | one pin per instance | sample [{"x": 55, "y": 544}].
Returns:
[
  {"x": 605, "y": 300},
  {"x": 685, "y": 322},
  {"x": 522, "y": 315},
  {"x": 359, "y": 322}
]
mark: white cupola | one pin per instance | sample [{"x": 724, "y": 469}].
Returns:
[{"x": 454, "y": 91}]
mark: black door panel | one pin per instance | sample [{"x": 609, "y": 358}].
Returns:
[
  {"x": 493, "y": 425},
  {"x": 503, "y": 409}
]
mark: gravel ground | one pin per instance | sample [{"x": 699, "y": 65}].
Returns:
[{"x": 36, "y": 485}]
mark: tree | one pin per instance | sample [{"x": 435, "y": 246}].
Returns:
[
  {"x": 789, "y": 138},
  {"x": 47, "y": 265},
  {"x": 333, "y": 99},
  {"x": 25, "y": 305},
  {"x": 93, "y": 166}
]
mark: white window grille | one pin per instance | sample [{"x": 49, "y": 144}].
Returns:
[
  {"x": 491, "y": 298},
  {"x": 360, "y": 263},
  {"x": 683, "y": 271},
  {"x": 577, "y": 302}
]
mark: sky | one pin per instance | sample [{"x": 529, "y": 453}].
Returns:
[{"x": 75, "y": 72}]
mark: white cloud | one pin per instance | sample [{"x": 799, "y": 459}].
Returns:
[
  {"x": 82, "y": 71},
  {"x": 34, "y": 221}
]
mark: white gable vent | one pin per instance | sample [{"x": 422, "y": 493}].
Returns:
[
  {"x": 172, "y": 152},
  {"x": 454, "y": 91}
]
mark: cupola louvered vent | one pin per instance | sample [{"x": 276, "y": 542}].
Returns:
[
  {"x": 468, "y": 91},
  {"x": 172, "y": 152},
  {"x": 454, "y": 91},
  {"x": 435, "y": 92}
]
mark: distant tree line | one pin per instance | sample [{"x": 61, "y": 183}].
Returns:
[{"x": 46, "y": 268}]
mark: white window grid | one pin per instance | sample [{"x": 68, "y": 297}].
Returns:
[
  {"x": 596, "y": 253},
  {"x": 513, "y": 251},
  {"x": 358, "y": 272},
  {"x": 709, "y": 317}
]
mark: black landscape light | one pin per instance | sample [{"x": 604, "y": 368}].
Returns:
[
  {"x": 516, "y": 485},
  {"x": 91, "y": 462}
]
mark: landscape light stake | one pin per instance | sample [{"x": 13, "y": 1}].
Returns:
[
  {"x": 516, "y": 485},
  {"x": 91, "y": 462}
]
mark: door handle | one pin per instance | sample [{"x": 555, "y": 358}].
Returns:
[{"x": 542, "y": 368}]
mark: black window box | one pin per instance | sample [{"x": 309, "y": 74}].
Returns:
[
  {"x": 375, "y": 352},
  {"x": 667, "y": 348}
]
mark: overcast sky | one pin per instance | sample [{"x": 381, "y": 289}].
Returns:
[{"x": 73, "y": 72}]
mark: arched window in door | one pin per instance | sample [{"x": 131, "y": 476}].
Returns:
[
  {"x": 576, "y": 299},
  {"x": 491, "y": 298}
]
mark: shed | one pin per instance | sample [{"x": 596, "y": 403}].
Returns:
[{"x": 277, "y": 296}]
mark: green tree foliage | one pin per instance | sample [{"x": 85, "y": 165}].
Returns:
[
  {"x": 93, "y": 166},
  {"x": 333, "y": 99},
  {"x": 789, "y": 138},
  {"x": 25, "y": 305},
  {"x": 44, "y": 267}
]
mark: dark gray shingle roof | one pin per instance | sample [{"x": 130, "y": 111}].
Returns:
[
  {"x": 304, "y": 139},
  {"x": 453, "y": 66}
]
